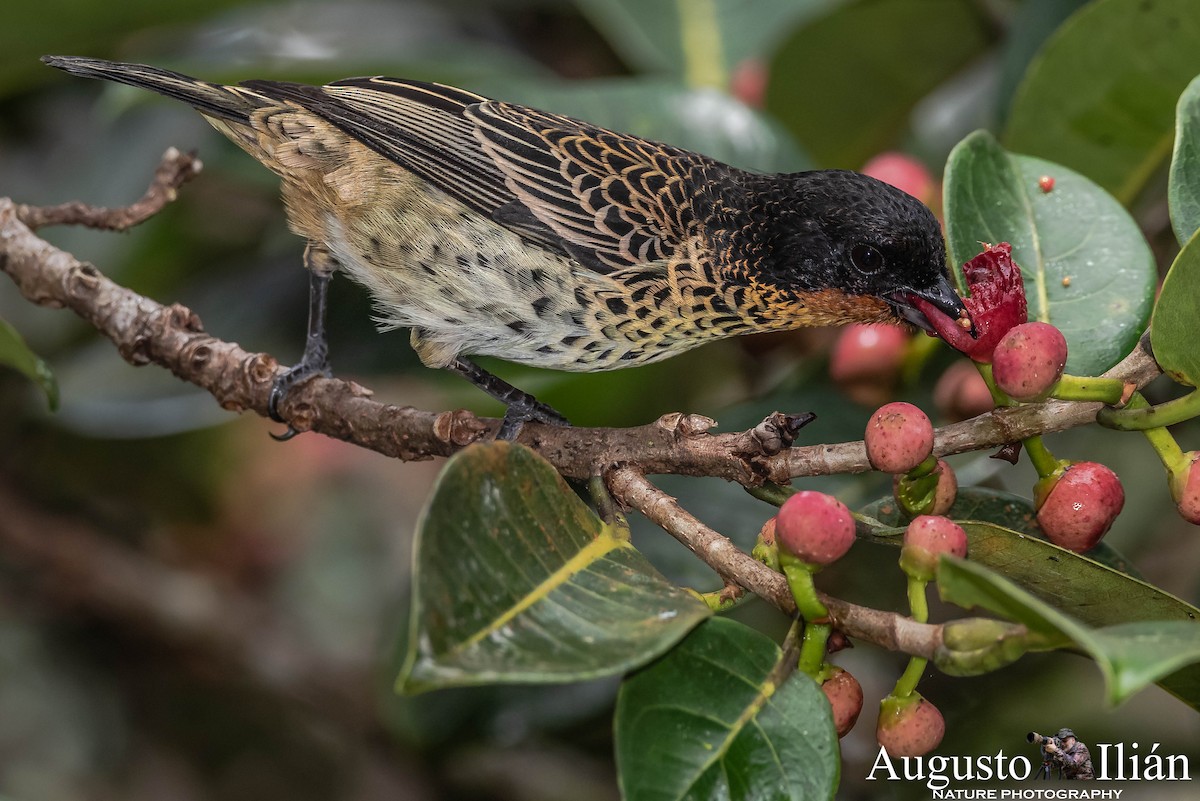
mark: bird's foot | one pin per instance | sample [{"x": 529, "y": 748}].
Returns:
[
  {"x": 524, "y": 410},
  {"x": 313, "y": 362}
]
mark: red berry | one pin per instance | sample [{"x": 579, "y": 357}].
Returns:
[
  {"x": 996, "y": 304},
  {"x": 909, "y": 726},
  {"x": 899, "y": 437},
  {"x": 961, "y": 393},
  {"x": 1029, "y": 360},
  {"x": 926, "y": 538},
  {"x": 814, "y": 527},
  {"x": 903, "y": 172},
  {"x": 846, "y": 697},
  {"x": 1080, "y": 506},
  {"x": 1185, "y": 489},
  {"x": 866, "y": 359},
  {"x": 749, "y": 82},
  {"x": 1046, "y": 184}
]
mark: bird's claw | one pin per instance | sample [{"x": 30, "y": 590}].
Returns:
[
  {"x": 527, "y": 410},
  {"x": 300, "y": 372}
]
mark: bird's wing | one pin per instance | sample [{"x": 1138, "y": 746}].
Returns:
[
  {"x": 615, "y": 200},
  {"x": 609, "y": 200}
]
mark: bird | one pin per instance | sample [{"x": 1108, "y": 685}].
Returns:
[{"x": 489, "y": 228}]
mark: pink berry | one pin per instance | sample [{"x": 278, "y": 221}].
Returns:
[
  {"x": 961, "y": 393},
  {"x": 909, "y": 726},
  {"x": 1029, "y": 360},
  {"x": 814, "y": 527},
  {"x": 1185, "y": 489},
  {"x": 866, "y": 359},
  {"x": 926, "y": 538},
  {"x": 749, "y": 82},
  {"x": 903, "y": 172},
  {"x": 846, "y": 697},
  {"x": 899, "y": 437},
  {"x": 1080, "y": 507}
]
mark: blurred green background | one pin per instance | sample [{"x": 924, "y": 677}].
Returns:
[{"x": 189, "y": 610}]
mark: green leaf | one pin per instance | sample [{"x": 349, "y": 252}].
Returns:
[
  {"x": 16, "y": 354},
  {"x": 714, "y": 719},
  {"x": 701, "y": 41},
  {"x": 1173, "y": 329},
  {"x": 516, "y": 580},
  {"x": 1003, "y": 509},
  {"x": 1076, "y": 234},
  {"x": 1100, "y": 97},
  {"x": 1183, "y": 190},
  {"x": 846, "y": 83},
  {"x": 705, "y": 120},
  {"x": 1131, "y": 655},
  {"x": 1096, "y": 593}
]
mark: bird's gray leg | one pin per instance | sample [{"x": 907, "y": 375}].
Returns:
[
  {"x": 315, "y": 359},
  {"x": 521, "y": 406}
]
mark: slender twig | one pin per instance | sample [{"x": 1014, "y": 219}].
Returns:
[
  {"x": 888, "y": 629},
  {"x": 174, "y": 170}
]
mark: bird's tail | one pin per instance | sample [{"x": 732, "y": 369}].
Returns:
[{"x": 230, "y": 103}]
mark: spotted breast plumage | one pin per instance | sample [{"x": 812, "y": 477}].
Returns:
[{"x": 489, "y": 228}]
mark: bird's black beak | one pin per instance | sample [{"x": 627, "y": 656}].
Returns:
[{"x": 942, "y": 296}]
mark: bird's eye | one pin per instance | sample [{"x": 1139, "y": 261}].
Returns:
[{"x": 866, "y": 258}]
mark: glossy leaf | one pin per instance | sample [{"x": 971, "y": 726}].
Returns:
[
  {"x": 1131, "y": 655},
  {"x": 1100, "y": 97},
  {"x": 1094, "y": 593},
  {"x": 517, "y": 580},
  {"x": 1183, "y": 190},
  {"x": 701, "y": 41},
  {"x": 1087, "y": 268},
  {"x": 847, "y": 114},
  {"x": 1173, "y": 329},
  {"x": 1003, "y": 509},
  {"x": 16, "y": 354},
  {"x": 720, "y": 718}
]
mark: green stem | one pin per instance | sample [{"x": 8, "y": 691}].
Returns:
[
  {"x": 774, "y": 494},
  {"x": 607, "y": 509},
  {"x": 1078, "y": 388},
  {"x": 812, "y": 649},
  {"x": 1160, "y": 438},
  {"x": 906, "y": 685},
  {"x": 800, "y": 581},
  {"x": 917, "y": 600},
  {"x": 1140, "y": 415},
  {"x": 998, "y": 397},
  {"x": 1041, "y": 457},
  {"x": 923, "y": 469},
  {"x": 719, "y": 600}
]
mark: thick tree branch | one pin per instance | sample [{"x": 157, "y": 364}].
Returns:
[{"x": 145, "y": 331}]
